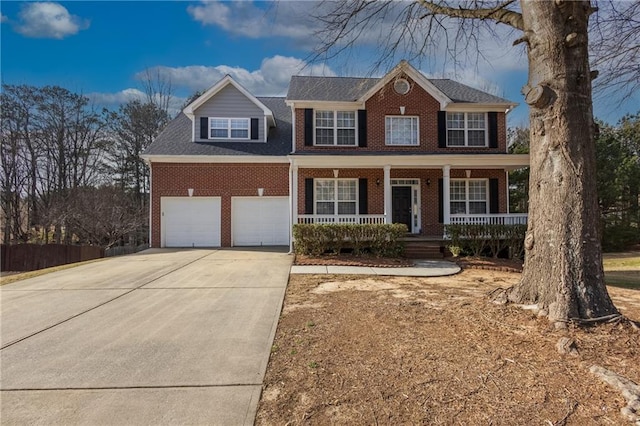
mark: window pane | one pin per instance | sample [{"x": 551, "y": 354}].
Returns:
[
  {"x": 477, "y": 190},
  {"x": 324, "y": 118},
  {"x": 477, "y": 208},
  {"x": 241, "y": 134},
  {"x": 458, "y": 207},
  {"x": 457, "y": 190},
  {"x": 455, "y": 138},
  {"x": 346, "y": 137},
  {"x": 401, "y": 130},
  {"x": 219, "y": 133},
  {"x": 347, "y": 190},
  {"x": 346, "y": 119},
  {"x": 455, "y": 120},
  {"x": 325, "y": 190},
  {"x": 475, "y": 120},
  {"x": 476, "y": 138},
  {"x": 346, "y": 207},
  {"x": 239, "y": 124},
  {"x": 219, "y": 123},
  {"x": 324, "y": 207},
  {"x": 324, "y": 136}
]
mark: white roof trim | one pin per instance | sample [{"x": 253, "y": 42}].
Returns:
[
  {"x": 416, "y": 76},
  {"x": 235, "y": 159},
  {"x": 482, "y": 161},
  {"x": 189, "y": 110}
]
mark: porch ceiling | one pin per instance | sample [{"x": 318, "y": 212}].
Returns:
[{"x": 426, "y": 161}]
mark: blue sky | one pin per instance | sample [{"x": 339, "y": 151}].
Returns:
[{"x": 102, "y": 49}]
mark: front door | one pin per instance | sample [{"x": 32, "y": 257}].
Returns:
[{"x": 401, "y": 205}]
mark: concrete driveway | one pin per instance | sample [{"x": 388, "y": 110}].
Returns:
[{"x": 159, "y": 337}]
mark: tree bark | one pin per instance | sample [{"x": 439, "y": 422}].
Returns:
[{"x": 563, "y": 270}]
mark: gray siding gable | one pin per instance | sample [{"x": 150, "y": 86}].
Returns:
[
  {"x": 229, "y": 102},
  {"x": 175, "y": 139}
]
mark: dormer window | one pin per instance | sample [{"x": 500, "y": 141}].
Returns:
[{"x": 228, "y": 128}]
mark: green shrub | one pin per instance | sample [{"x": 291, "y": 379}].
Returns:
[
  {"x": 380, "y": 239},
  {"x": 477, "y": 240}
]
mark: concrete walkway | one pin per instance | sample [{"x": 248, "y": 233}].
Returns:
[
  {"x": 160, "y": 337},
  {"x": 421, "y": 268}
]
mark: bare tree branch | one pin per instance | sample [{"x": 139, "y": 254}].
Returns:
[{"x": 499, "y": 13}]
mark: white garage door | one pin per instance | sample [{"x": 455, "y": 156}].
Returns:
[
  {"x": 260, "y": 221},
  {"x": 190, "y": 221}
]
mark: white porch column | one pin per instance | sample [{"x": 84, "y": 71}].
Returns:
[
  {"x": 506, "y": 174},
  {"x": 293, "y": 200},
  {"x": 387, "y": 194},
  {"x": 446, "y": 195}
]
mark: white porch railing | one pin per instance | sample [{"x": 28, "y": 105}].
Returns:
[
  {"x": 361, "y": 219},
  {"x": 490, "y": 219}
]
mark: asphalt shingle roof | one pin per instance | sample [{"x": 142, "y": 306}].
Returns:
[
  {"x": 175, "y": 139},
  {"x": 309, "y": 88}
]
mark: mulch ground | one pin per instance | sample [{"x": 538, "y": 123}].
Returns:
[
  {"x": 397, "y": 350},
  {"x": 484, "y": 263}
]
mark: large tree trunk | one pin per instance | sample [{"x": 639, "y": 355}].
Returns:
[{"x": 563, "y": 271}]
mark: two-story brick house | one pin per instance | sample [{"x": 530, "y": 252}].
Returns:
[{"x": 234, "y": 169}]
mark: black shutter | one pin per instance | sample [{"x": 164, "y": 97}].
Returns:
[
  {"x": 442, "y": 129},
  {"x": 493, "y": 130},
  {"x": 362, "y": 128},
  {"x": 440, "y": 199},
  {"x": 308, "y": 127},
  {"x": 204, "y": 127},
  {"x": 363, "y": 199},
  {"x": 308, "y": 196},
  {"x": 255, "y": 133},
  {"x": 494, "y": 200}
]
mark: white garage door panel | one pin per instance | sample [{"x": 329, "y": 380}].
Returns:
[
  {"x": 261, "y": 221},
  {"x": 191, "y": 221}
]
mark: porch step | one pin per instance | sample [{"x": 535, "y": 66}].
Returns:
[{"x": 422, "y": 250}]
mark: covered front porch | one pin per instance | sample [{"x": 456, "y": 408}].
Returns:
[{"x": 413, "y": 190}]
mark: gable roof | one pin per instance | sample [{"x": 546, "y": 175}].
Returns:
[
  {"x": 176, "y": 140},
  {"x": 354, "y": 89},
  {"x": 189, "y": 110}
]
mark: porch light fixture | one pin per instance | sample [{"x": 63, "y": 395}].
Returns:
[
  {"x": 190, "y": 192},
  {"x": 468, "y": 172},
  {"x": 335, "y": 173},
  {"x": 402, "y": 110},
  {"x": 378, "y": 182},
  {"x": 428, "y": 181},
  {"x": 260, "y": 192}
]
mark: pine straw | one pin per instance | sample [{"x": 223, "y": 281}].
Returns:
[{"x": 379, "y": 350}]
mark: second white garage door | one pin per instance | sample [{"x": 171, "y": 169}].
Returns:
[
  {"x": 260, "y": 221},
  {"x": 190, "y": 221}
]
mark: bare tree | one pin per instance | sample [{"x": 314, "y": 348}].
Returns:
[
  {"x": 158, "y": 90},
  {"x": 563, "y": 271}
]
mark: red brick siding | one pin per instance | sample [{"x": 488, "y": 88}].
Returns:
[
  {"x": 214, "y": 180},
  {"x": 428, "y": 193},
  {"x": 387, "y": 102}
]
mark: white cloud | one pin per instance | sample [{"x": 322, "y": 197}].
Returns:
[
  {"x": 114, "y": 100},
  {"x": 48, "y": 20},
  {"x": 3, "y": 19},
  {"x": 121, "y": 97},
  {"x": 282, "y": 19},
  {"x": 271, "y": 79}
]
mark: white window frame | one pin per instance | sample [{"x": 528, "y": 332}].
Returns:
[
  {"x": 335, "y": 200},
  {"x": 387, "y": 121},
  {"x": 335, "y": 127},
  {"x": 467, "y": 198},
  {"x": 466, "y": 129},
  {"x": 229, "y": 120}
]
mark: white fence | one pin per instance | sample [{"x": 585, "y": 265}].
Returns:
[{"x": 357, "y": 219}]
